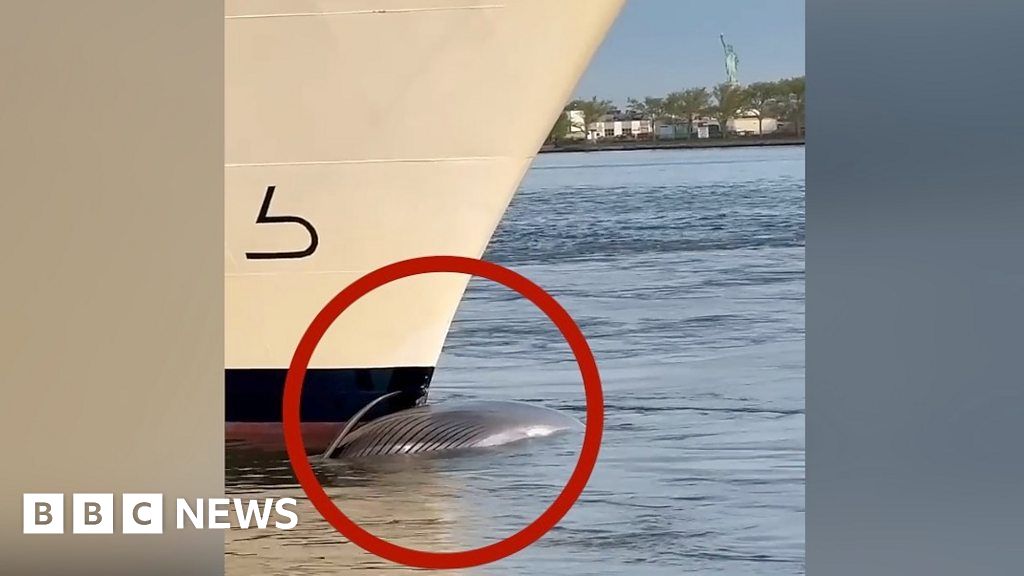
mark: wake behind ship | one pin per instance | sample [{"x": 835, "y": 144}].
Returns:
[{"x": 364, "y": 132}]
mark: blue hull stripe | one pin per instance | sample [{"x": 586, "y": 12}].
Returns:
[{"x": 328, "y": 394}]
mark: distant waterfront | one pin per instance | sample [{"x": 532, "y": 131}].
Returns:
[
  {"x": 610, "y": 144},
  {"x": 762, "y": 108}
]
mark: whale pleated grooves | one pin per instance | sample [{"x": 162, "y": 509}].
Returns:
[{"x": 449, "y": 426}]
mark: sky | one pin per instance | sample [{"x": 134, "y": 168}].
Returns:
[{"x": 660, "y": 46}]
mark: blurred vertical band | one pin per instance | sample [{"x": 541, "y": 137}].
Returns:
[
  {"x": 915, "y": 287},
  {"x": 111, "y": 158}
]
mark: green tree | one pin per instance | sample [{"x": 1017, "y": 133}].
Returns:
[
  {"x": 788, "y": 104},
  {"x": 762, "y": 99},
  {"x": 593, "y": 110},
  {"x": 651, "y": 109},
  {"x": 791, "y": 101},
  {"x": 730, "y": 99},
  {"x": 688, "y": 104},
  {"x": 560, "y": 130}
]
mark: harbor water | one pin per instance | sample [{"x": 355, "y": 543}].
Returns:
[{"x": 685, "y": 271}]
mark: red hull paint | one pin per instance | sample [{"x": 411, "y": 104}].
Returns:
[{"x": 268, "y": 435}]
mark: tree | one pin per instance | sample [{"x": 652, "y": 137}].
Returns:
[
  {"x": 797, "y": 88},
  {"x": 730, "y": 99},
  {"x": 593, "y": 110},
  {"x": 650, "y": 109},
  {"x": 561, "y": 127},
  {"x": 791, "y": 101},
  {"x": 688, "y": 104},
  {"x": 761, "y": 97}
]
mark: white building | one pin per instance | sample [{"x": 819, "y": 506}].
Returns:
[
  {"x": 707, "y": 127},
  {"x": 703, "y": 127},
  {"x": 623, "y": 126},
  {"x": 746, "y": 123},
  {"x": 612, "y": 127},
  {"x": 577, "y": 130}
]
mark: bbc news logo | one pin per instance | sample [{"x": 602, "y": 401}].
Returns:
[{"x": 94, "y": 513}]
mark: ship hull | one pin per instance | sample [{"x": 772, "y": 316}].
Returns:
[{"x": 360, "y": 133}]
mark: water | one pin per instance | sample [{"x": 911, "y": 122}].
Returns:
[{"x": 685, "y": 270}]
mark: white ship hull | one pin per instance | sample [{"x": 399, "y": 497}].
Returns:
[{"x": 381, "y": 130}]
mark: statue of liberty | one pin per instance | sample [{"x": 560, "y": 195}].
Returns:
[{"x": 732, "y": 61}]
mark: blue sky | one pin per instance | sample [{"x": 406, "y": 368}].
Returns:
[{"x": 659, "y": 46}]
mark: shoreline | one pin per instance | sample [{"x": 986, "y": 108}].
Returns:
[{"x": 739, "y": 142}]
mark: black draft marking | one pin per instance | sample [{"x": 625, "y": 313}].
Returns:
[{"x": 265, "y": 218}]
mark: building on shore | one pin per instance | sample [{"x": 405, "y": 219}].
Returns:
[
  {"x": 621, "y": 126},
  {"x": 676, "y": 129},
  {"x": 747, "y": 124},
  {"x": 615, "y": 124},
  {"x": 577, "y": 126},
  {"x": 625, "y": 126}
]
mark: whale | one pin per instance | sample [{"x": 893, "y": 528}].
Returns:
[{"x": 446, "y": 427}]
